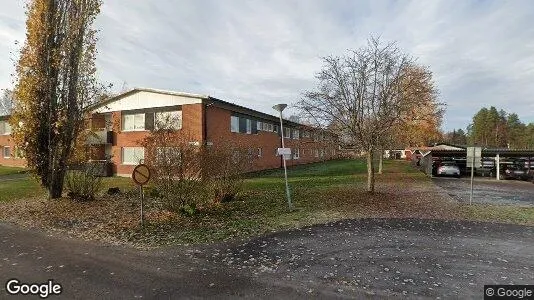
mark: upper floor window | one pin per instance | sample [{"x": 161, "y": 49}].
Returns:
[
  {"x": 168, "y": 120},
  {"x": 287, "y": 132},
  {"x": 5, "y": 128},
  {"x": 249, "y": 126},
  {"x": 234, "y": 124},
  {"x": 133, "y": 122},
  {"x": 267, "y": 127},
  {"x": 296, "y": 134}
]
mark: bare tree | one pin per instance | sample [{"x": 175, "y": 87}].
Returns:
[{"x": 362, "y": 95}]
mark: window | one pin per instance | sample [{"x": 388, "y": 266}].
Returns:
[
  {"x": 316, "y": 152},
  {"x": 133, "y": 122},
  {"x": 260, "y": 152},
  {"x": 234, "y": 124},
  {"x": 287, "y": 132},
  {"x": 5, "y": 128},
  {"x": 296, "y": 134},
  {"x": 305, "y": 134},
  {"x": 259, "y": 126},
  {"x": 296, "y": 153},
  {"x": 132, "y": 155},
  {"x": 268, "y": 127},
  {"x": 168, "y": 120},
  {"x": 322, "y": 152},
  {"x": 249, "y": 126},
  {"x": 168, "y": 156},
  {"x": 18, "y": 152},
  {"x": 7, "y": 152}
]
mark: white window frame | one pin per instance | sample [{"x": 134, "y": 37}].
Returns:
[
  {"x": 133, "y": 117},
  {"x": 322, "y": 153},
  {"x": 167, "y": 156},
  {"x": 18, "y": 152},
  {"x": 139, "y": 159},
  {"x": 259, "y": 125},
  {"x": 249, "y": 126},
  {"x": 5, "y": 128},
  {"x": 288, "y": 131},
  {"x": 172, "y": 116},
  {"x": 234, "y": 124},
  {"x": 316, "y": 152},
  {"x": 296, "y": 134},
  {"x": 296, "y": 153},
  {"x": 4, "y": 151}
]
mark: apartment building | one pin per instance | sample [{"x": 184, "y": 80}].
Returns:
[{"x": 122, "y": 122}]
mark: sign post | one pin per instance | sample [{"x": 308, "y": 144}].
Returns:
[
  {"x": 473, "y": 160},
  {"x": 141, "y": 176},
  {"x": 284, "y": 152}
]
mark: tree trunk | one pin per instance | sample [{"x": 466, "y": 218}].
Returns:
[
  {"x": 56, "y": 188},
  {"x": 380, "y": 162},
  {"x": 370, "y": 172}
]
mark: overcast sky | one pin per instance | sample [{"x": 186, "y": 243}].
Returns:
[{"x": 258, "y": 53}]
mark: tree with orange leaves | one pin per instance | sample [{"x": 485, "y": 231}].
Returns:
[{"x": 55, "y": 83}]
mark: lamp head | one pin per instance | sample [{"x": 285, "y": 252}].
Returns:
[{"x": 279, "y": 107}]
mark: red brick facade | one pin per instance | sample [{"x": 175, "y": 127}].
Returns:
[
  {"x": 12, "y": 160},
  {"x": 206, "y": 120}
]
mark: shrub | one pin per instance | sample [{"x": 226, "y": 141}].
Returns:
[
  {"x": 223, "y": 168},
  {"x": 83, "y": 184},
  {"x": 188, "y": 176}
]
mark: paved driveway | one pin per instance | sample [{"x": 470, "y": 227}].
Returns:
[
  {"x": 354, "y": 259},
  {"x": 488, "y": 190}
]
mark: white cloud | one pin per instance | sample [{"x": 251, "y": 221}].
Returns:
[{"x": 257, "y": 53}]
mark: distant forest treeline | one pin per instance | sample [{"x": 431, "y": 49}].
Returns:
[{"x": 494, "y": 128}]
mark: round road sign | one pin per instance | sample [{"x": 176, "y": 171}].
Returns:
[{"x": 141, "y": 174}]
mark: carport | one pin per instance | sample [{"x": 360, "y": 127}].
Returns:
[{"x": 496, "y": 154}]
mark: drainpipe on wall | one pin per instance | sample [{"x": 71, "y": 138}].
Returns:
[{"x": 205, "y": 123}]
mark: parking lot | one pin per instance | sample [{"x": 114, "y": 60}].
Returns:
[{"x": 486, "y": 190}]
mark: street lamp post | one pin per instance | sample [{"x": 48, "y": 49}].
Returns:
[{"x": 280, "y": 108}]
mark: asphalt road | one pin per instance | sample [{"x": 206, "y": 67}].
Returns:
[
  {"x": 348, "y": 259},
  {"x": 485, "y": 190}
]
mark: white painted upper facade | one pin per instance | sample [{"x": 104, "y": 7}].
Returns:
[{"x": 147, "y": 98}]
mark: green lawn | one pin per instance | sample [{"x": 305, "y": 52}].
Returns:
[
  {"x": 11, "y": 170},
  {"x": 19, "y": 188},
  {"x": 28, "y": 186},
  {"x": 321, "y": 192}
]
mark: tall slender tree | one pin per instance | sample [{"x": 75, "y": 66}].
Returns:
[{"x": 55, "y": 83}]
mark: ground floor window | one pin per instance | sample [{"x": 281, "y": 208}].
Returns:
[
  {"x": 296, "y": 153},
  {"x": 133, "y": 155},
  {"x": 18, "y": 152},
  {"x": 6, "y": 152}
]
